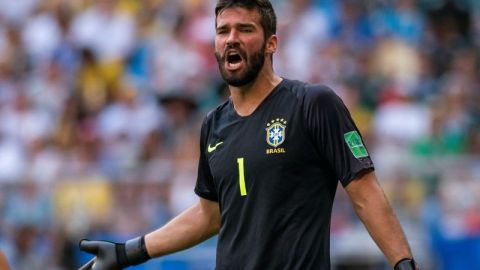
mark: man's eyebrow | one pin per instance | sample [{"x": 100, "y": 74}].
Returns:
[
  {"x": 238, "y": 25},
  {"x": 221, "y": 27},
  {"x": 246, "y": 25}
]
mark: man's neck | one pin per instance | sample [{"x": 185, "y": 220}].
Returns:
[{"x": 248, "y": 97}]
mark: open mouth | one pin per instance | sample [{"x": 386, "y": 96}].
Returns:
[{"x": 233, "y": 60}]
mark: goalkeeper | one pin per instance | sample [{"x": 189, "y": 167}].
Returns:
[{"x": 271, "y": 157}]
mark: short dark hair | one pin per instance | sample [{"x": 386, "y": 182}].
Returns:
[{"x": 268, "y": 18}]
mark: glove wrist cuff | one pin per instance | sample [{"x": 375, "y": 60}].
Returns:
[
  {"x": 135, "y": 251},
  {"x": 405, "y": 264}
]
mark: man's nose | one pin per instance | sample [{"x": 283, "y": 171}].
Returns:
[{"x": 232, "y": 38}]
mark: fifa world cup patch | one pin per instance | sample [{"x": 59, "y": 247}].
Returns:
[
  {"x": 354, "y": 142},
  {"x": 276, "y": 131}
]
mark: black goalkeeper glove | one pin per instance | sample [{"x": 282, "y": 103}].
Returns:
[
  {"x": 406, "y": 264},
  {"x": 114, "y": 256}
]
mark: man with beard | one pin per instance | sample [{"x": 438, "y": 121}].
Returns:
[{"x": 270, "y": 161}]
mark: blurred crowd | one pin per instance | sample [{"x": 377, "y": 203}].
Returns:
[{"x": 101, "y": 104}]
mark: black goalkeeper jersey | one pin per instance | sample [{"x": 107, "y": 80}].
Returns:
[{"x": 274, "y": 174}]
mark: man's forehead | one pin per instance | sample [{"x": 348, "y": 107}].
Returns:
[{"x": 238, "y": 15}]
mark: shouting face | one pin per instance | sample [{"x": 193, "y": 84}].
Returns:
[{"x": 239, "y": 45}]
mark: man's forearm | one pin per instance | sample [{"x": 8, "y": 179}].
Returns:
[
  {"x": 193, "y": 226},
  {"x": 375, "y": 212},
  {"x": 385, "y": 231},
  {"x": 3, "y": 262}
]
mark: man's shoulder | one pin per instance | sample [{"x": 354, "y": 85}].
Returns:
[
  {"x": 319, "y": 91},
  {"x": 311, "y": 92},
  {"x": 216, "y": 112}
]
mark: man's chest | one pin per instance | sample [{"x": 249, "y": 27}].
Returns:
[{"x": 258, "y": 153}]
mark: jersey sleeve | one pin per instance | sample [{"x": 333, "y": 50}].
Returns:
[
  {"x": 205, "y": 187},
  {"x": 335, "y": 134}
]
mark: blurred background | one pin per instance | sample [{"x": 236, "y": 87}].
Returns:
[{"x": 101, "y": 104}]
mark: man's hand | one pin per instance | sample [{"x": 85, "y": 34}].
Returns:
[
  {"x": 114, "y": 256},
  {"x": 109, "y": 256}
]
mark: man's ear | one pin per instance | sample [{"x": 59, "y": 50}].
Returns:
[{"x": 271, "y": 44}]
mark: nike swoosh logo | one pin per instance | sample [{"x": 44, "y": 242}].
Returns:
[{"x": 213, "y": 148}]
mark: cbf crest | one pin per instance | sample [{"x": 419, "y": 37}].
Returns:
[{"x": 276, "y": 132}]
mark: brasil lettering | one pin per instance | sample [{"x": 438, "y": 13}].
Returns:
[{"x": 276, "y": 151}]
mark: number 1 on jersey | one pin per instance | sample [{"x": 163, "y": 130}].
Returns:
[{"x": 241, "y": 177}]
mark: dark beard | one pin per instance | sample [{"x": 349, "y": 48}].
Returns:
[{"x": 253, "y": 66}]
